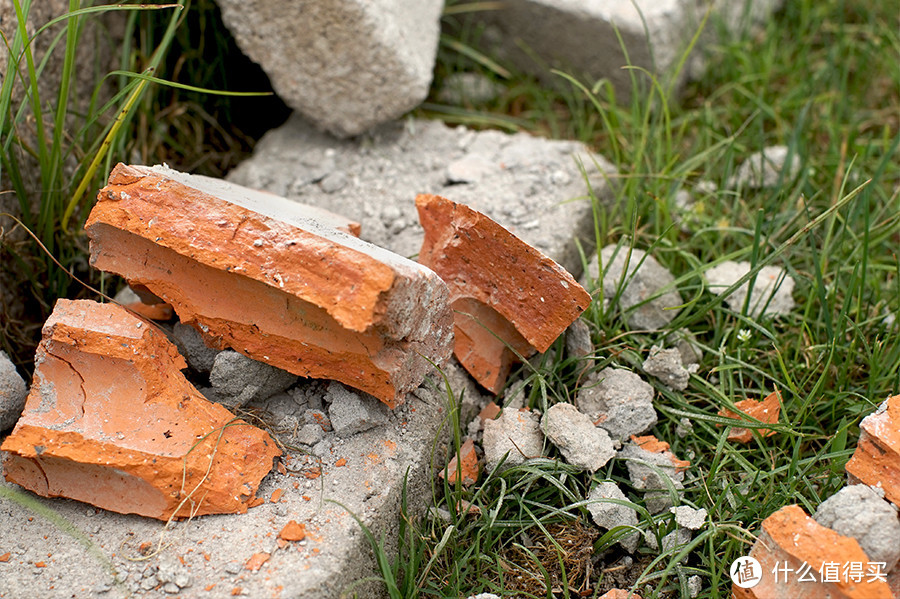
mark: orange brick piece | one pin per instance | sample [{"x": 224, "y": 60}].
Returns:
[
  {"x": 767, "y": 410},
  {"x": 876, "y": 460},
  {"x": 619, "y": 594},
  {"x": 273, "y": 279},
  {"x": 293, "y": 531},
  {"x": 503, "y": 291},
  {"x": 112, "y": 421},
  {"x": 790, "y": 538},
  {"x": 467, "y": 462}
]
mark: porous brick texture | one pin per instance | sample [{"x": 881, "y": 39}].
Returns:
[
  {"x": 324, "y": 303},
  {"x": 111, "y": 421},
  {"x": 789, "y": 539},
  {"x": 876, "y": 460},
  {"x": 345, "y": 64},
  {"x": 767, "y": 410},
  {"x": 507, "y": 297}
]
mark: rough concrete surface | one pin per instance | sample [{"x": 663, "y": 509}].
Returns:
[
  {"x": 581, "y": 443},
  {"x": 364, "y": 472},
  {"x": 666, "y": 365},
  {"x": 237, "y": 379},
  {"x": 512, "y": 438},
  {"x": 688, "y": 517},
  {"x": 642, "y": 299},
  {"x": 351, "y": 412},
  {"x": 531, "y": 186},
  {"x": 581, "y": 37},
  {"x": 771, "y": 290},
  {"x": 654, "y": 473},
  {"x": 608, "y": 515},
  {"x": 13, "y": 392},
  {"x": 858, "y": 511},
  {"x": 190, "y": 343},
  {"x": 618, "y": 401},
  {"x": 347, "y": 65}
]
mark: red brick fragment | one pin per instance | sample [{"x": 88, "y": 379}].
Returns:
[
  {"x": 111, "y": 421},
  {"x": 161, "y": 311},
  {"x": 293, "y": 531},
  {"x": 489, "y": 412},
  {"x": 5, "y": 557},
  {"x": 256, "y": 561},
  {"x": 790, "y": 538},
  {"x": 654, "y": 445},
  {"x": 876, "y": 460},
  {"x": 619, "y": 594},
  {"x": 276, "y": 495},
  {"x": 273, "y": 279},
  {"x": 466, "y": 461},
  {"x": 767, "y": 410},
  {"x": 503, "y": 291}
]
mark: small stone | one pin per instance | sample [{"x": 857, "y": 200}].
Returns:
[
  {"x": 688, "y": 517},
  {"x": 579, "y": 345},
  {"x": 771, "y": 290},
  {"x": 609, "y": 515},
  {"x": 310, "y": 434},
  {"x": 695, "y": 585},
  {"x": 333, "y": 182},
  {"x": 766, "y": 168},
  {"x": 469, "y": 89},
  {"x": 666, "y": 365},
  {"x": 171, "y": 588},
  {"x": 652, "y": 468},
  {"x": 686, "y": 344},
  {"x": 516, "y": 434},
  {"x": 618, "y": 401},
  {"x": 684, "y": 427},
  {"x": 351, "y": 412},
  {"x": 13, "y": 392},
  {"x": 581, "y": 443},
  {"x": 858, "y": 512},
  {"x": 675, "y": 540},
  {"x": 238, "y": 379},
  {"x": 642, "y": 299},
  {"x": 234, "y": 567}
]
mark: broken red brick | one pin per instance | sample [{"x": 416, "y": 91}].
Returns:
[
  {"x": 876, "y": 460},
  {"x": 767, "y": 410},
  {"x": 489, "y": 412},
  {"x": 111, "y": 421},
  {"x": 276, "y": 495},
  {"x": 789, "y": 538},
  {"x": 466, "y": 461},
  {"x": 262, "y": 275},
  {"x": 341, "y": 462},
  {"x": 293, "y": 531},
  {"x": 619, "y": 594},
  {"x": 256, "y": 502},
  {"x": 256, "y": 561},
  {"x": 162, "y": 311},
  {"x": 654, "y": 445},
  {"x": 5, "y": 557},
  {"x": 503, "y": 291}
]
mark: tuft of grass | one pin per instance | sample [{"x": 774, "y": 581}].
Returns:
[{"x": 820, "y": 78}]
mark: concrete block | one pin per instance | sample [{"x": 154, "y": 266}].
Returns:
[
  {"x": 608, "y": 515},
  {"x": 346, "y": 65},
  {"x": 12, "y": 393},
  {"x": 532, "y": 187},
  {"x": 688, "y": 517},
  {"x": 237, "y": 379},
  {"x": 515, "y": 435},
  {"x": 111, "y": 421},
  {"x": 665, "y": 364},
  {"x": 582, "y": 37},
  {"x": 647, "y": 299},
  {"x": 581, "y": 443},
  {"x": 859, "y": 512},
  {"x": 190, "y": 343},
  {"x": 504, "y": 293},
  {"x": 618, "y": 401},
  {"x": 276, "y": 282},
  {"x": 771, "y": 291},
  {"x": 350, "y": 413}
]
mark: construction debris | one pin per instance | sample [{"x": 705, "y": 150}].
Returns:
[
  {"x": 876, "y": 460},
  {"x": 767, "y": 410}
]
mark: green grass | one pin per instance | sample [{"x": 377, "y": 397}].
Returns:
[{"x": 821, "y": 78}]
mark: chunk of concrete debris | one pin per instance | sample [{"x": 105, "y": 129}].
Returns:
[
  {"x": 581, "y": 443},
  {"x": 654, "y": 469},
  {"x": 270, "y": 279},
  {"x": 190, "y": 343},
  {"x": 688, "y": 517},
  {"x": 859, "y": 512},
  {"x": 771, "y": 290},
  {"x": 238, "y": 379},
  {"x": 579, "y": 345},
  {"x": 686, "y": 344},
  {"x": 608, "y": 514},
  {"x": 111, "y": 421},
  {"x": 666, "y": 365},
  {"x": 768, "y": 410},
  {"x": 535, "y": 303},
  {"x": 876, "y": 460},
  {"x": 464, "y": 463},
  {"x": 372, "y": 62},
  {"x": 789, "y": 539},
  {"x": 515, "y": 436},
  {"x": 469, "y": 88},
  {"x": 642, "y": 300},
  {"x": 618, "y": 401},
  {"x": 352, "y": 413},
  {"x": 13, "y": 392},
  {"x": 675, "y": 541},
  {"x": 766, "y": 168}
]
